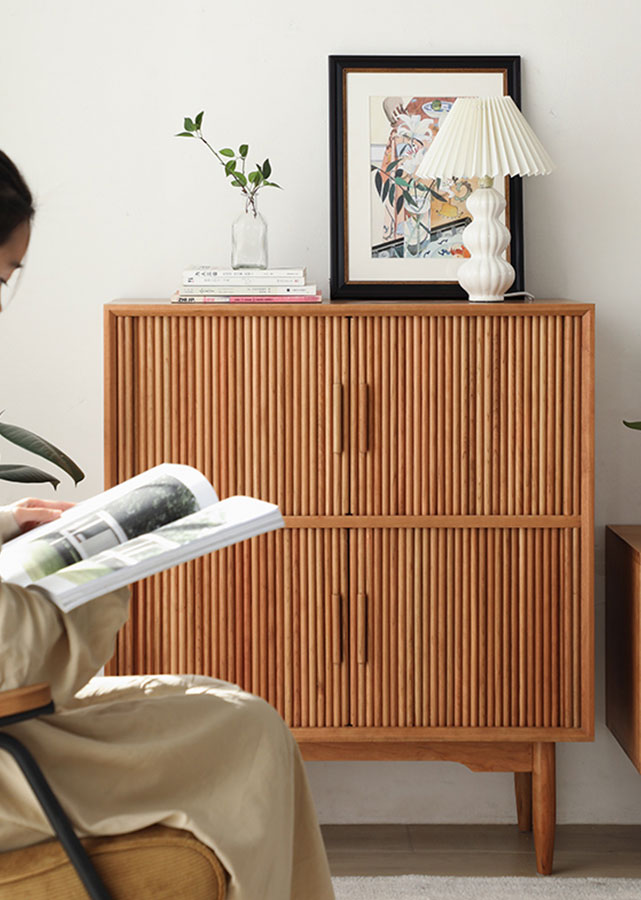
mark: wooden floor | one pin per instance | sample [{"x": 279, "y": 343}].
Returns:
[{"x": 581, "y": 850}]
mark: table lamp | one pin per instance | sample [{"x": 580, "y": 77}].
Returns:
[{"x": 485, "y": 137}]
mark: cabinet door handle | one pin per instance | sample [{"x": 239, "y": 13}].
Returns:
[
  {"x": 337, "y": 402},
  {"x": 363, "y": 423},
  {"x": 361, "y": 628},
  {"x": 337, "y": 629}
]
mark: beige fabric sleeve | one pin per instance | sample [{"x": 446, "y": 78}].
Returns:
[{"x": 40, "y": 643}]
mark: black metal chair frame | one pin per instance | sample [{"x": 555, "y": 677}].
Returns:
[{"x": 51, "y": 807}]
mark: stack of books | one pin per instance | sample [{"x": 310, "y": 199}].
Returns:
[{"x": 210, "y": 284}]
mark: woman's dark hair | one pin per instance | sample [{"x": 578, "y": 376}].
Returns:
[{"x": 16, "y": 202}]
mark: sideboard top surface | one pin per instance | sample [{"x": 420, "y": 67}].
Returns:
[
  {"x": 631, "y": 534},
  {"x": 152, "y": 307}
]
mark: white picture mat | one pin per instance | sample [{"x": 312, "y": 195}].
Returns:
[{"x": 359, "y": 87}]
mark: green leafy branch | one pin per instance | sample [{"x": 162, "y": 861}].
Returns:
[
  {"x": 27, "y": 440},
  {"x": 396, "y": 187},
  {"x": 234, "y": 163}
]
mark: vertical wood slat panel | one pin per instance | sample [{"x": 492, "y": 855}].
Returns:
[
  {"x": 481, "y": 605},
  {"x": 395, "y": 402},
  {"x": 379, "y": 417},
  {"x": 472, "y": 623},
  {"x": 398, "y": 588},
  {"x": 490, "y": 650},
  {"x": 457, "y": 641},
  {"x": 209, "y": 372},
  {"x": 195, "y": 367},
  {"x": 431, "y": 395},
  {"x": 472, "y": 393},
  {"x": 464, "y": 417},
  {"x": 457, "y": 453},
  {"x": 441, "y": 403},
  {"x": 491, "y": 410},
  {"x": 139, "y": 600},
  {"x": 324, "y": 413},
  {"x": 369, "y": 640},
  {"x": 558, "y": 423},
  {"x": 448, "y": 414},
  {"x": 450, "y": 617},
  {"x": 414, "y": 444},
  {"x": 534, "y": 416},
  {"x": 295, "y": 674},
  {"x": 419, "y": 636},
  {"x": 254, "y": 391},
  {"x": 126, "y": 467},
  {"x": 583, "y": 502}
]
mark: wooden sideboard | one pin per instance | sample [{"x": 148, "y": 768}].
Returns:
[{"x": 431, "y": 596}]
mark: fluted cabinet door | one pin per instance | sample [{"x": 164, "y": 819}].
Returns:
[
  {"x": 269, "y": 614},
  {"x": 466, "y": 415},
  {"x": 258, "y": 403},
  {"x": 464, "y": 628}
]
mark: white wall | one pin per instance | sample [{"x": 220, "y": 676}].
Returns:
[{"x": 90, "y": 96}]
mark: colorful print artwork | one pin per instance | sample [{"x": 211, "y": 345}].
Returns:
[{"x": 412, "y": 218}]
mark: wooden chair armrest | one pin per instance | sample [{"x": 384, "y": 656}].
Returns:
[{"x": 24, "y": 699}]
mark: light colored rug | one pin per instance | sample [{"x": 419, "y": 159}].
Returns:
[{"x": 429, "y": 887}]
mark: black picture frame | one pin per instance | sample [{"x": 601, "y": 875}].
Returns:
[{"x": 343, "y": 283}]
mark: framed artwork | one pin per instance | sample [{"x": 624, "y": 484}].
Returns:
[{"x": 394, "y": 236}]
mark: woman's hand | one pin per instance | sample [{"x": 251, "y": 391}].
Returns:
[{"x": 31, "y": 511}]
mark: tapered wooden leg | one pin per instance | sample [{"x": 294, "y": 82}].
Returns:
[
  {"x": 523, "y": 791},
  {"x": 544, "y": 805}
]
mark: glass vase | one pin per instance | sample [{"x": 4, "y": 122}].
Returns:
[
  {"x": 417, "y": 228},
  {"x": 249, "y": 239}
]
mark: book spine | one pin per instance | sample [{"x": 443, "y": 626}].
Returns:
[
  {"x": 265, "y": 279},
  {"x": 213, "y": 272},
  {"x": 221, "y": 270},
  {"x": 225, "y": 290},
  {"x": 286, "y": 298}
]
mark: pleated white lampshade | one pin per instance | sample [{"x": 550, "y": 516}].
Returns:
[{"x": 484, "y": 136}]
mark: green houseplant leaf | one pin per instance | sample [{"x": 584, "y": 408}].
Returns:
[
  {"x": 26, "y": 475},
  {"x": 635, "y": 425},
  {"x": 27, "y": 440},
  {"x": 233, "y": 163}
]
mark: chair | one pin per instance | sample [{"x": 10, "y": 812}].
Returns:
[{"x": 156, "y": 863}]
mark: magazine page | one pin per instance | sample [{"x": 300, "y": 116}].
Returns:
[
  {"x": 141, "y": 504},
  {"x": 225, "y": 523}
]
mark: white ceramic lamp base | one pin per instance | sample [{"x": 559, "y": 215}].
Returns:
[{"x": 486, "y": 276}]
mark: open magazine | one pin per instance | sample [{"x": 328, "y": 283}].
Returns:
[{"x": 167, "y": 515}]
